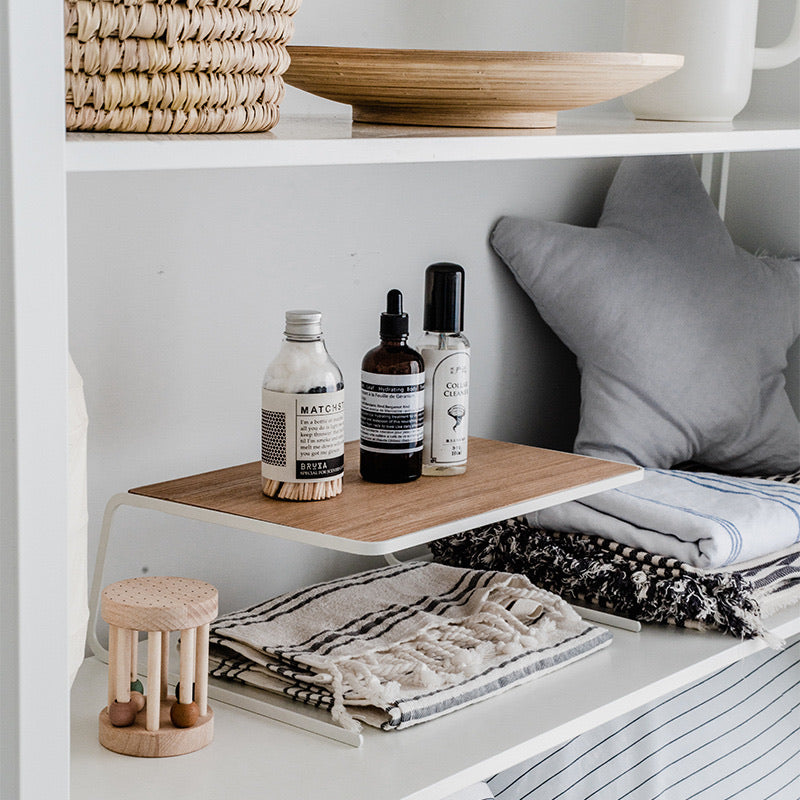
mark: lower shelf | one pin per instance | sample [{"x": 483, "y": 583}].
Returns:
[{"x": 250, "y": 752}]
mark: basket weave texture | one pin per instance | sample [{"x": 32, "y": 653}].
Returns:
[{"x": 175, "y": 66}]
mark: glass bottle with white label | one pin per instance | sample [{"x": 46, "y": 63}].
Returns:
[
  {"x": 446, "y": 354},
  {"x": 392, "y": 397},
  {"x": 302, "y": 415}
]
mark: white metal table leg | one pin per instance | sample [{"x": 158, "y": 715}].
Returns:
[
  {"x": 97, "y": 579},
  {"x": 714, "y": 172}
]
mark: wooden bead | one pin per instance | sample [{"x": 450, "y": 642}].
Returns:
[
  {"x": 136, "y": 686},
  {"x": 137, "y": 698},
  {"x": 122, "y": 714},
  {"x": 184, "y": 715}
]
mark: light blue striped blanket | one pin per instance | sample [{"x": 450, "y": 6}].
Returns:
[{"x": 703, "y": 519}]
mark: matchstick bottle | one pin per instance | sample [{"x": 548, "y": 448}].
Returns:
[
  {"x": 392, "y": 397},
  {"x": 446, "y": 354},
  {"x": 302, "y": 415}
]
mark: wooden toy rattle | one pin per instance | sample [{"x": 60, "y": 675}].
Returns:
[{"x": 150, "y": 722}]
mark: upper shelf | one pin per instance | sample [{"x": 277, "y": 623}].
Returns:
[
  {"x": 336, "y": 140},
  {"x": 503, "y": 480}
]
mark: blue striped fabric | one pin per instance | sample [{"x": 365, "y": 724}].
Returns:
[
  {"x": 733, "y": 734},
  {"x": 770, "y": 491},
  {"x": 703, "y": 519}
]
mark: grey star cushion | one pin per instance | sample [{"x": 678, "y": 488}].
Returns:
[{"x": 681, "y": 336}]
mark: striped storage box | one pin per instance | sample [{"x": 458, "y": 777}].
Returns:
[{"x": 175, "y": 66}]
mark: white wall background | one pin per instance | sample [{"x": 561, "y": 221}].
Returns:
[{"x": 179, "y": 282}]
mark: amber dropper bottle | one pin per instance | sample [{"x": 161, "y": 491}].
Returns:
[{"x": 392, "y": 402}]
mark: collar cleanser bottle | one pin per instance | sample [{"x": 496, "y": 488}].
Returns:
[
  {"x": 446, "y": 354},
  {"x": 392, "y": 397}
]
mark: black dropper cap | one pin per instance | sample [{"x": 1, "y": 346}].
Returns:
[
  {"x": 444, "y": 298},
  {"x": 394, "y": 321}
]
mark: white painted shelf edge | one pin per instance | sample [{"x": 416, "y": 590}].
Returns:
[
  {"x": 249, "y": 753},
  {"x": 336, "y": 140}
]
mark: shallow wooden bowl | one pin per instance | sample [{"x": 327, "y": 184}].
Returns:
[{"x": 503, "y": 89}]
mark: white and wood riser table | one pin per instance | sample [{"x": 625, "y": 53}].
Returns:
[{"x": 503, "y": 480}]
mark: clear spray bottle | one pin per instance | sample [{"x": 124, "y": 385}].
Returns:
[{"x": 446, "y": 354}]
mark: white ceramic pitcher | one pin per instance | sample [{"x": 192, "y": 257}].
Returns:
[{"x": 717, "y": 39}]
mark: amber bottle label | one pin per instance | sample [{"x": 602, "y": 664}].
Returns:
[{"x": 392, "y": 409}]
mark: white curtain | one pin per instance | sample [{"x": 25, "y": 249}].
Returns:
[{"x": 77, "y": 522}]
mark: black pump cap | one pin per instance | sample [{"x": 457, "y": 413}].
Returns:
[
  {"x": 394, "y": 321},
  {"x": 444, "y": 298}
]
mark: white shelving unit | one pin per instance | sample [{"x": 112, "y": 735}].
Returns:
[
  {"x": 34, "y": 163},
  {"x": 33, "y": 400},
  {"x": 313, "y": 141},
  {"x": 413, "y": 765}
]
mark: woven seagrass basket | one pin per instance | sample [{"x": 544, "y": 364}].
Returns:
[{"x": 175, "y": 66}]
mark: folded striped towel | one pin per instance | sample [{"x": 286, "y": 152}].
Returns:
[
  {"x": 594, "y": 571},
  {"x": 702, "y": 519},
  {"x": 398, "y": 645}
]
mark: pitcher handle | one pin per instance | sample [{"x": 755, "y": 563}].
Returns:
[{"x": 784, "y": 53}]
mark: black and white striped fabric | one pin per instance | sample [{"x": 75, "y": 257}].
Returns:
[
  {"x": 592, "y": 570},
  {"x": 398, "y": 645},
  {"x": 735, "y": 734},
  {"x": 596, "y": 572}
]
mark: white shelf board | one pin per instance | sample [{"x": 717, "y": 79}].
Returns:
[
  {"x": 336, "y": 140},
  {"x": 367, "y": 548},
  {"x": 251, "y": 755}
]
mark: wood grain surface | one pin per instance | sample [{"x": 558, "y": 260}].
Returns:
[
  {"x": 159, "y": 603},
  {"x": 499, "y": 474},
  {"x": 136, "y": 740},
  {"x": 501, "y": 89}
]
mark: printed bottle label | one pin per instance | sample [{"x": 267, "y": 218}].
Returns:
[
  {"x": 392, "y": 412},
  {"x": 302, "y": 436},
  {"x": 446, "y": 406}
]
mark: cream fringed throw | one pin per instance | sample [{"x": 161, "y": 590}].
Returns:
[{"x": 399, "y": 645}]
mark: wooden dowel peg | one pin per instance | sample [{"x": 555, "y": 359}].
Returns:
[
  {"x": 201, "y": 669},
  {"x": 134, "y": 650},
  {"x": 164, "y": 683},
  {"x": 113, "y": 661},
  {"x": 154, "y": 678},
  {"x": 187, "y": 655},
  {"x": 122, "y": 689}
]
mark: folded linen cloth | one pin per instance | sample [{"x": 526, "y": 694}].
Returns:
[
  {"x": 597, "y": 572},
  {"x": 402, "y": 644},
  {"x": 703, "y": 519}
]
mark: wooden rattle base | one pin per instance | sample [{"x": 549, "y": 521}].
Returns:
[{"x": 136, "y": 740}]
